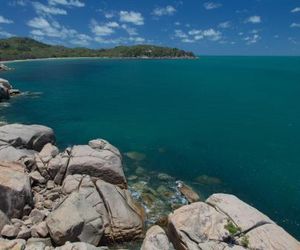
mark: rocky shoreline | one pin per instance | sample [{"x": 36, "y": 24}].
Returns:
[{"x": 80, "y": 199}]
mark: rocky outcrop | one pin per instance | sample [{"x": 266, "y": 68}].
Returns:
[
  {"x": 6, "y": 90},
  {"x": 15, "y": 189},
  {"x": 4, "y": 67},
  {"x": 156, "y": 239},
  {"x": 224, "y": 222},
  {"x": 78, "y": 199}
]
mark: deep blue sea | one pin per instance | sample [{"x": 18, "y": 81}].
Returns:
[{"x": 232, "y": 118}]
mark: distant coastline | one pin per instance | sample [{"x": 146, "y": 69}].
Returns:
[
  {"x": 98, "y": 58},
  {"x": 19, "y": 48}
]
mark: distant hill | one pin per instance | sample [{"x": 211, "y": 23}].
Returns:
[{"x": 26, "y": 48}]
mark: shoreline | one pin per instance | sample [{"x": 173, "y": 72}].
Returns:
[{"x": 98, "y": 58}]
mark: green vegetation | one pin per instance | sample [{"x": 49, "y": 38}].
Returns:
[
  {"x": 232, "y": 229},
  {"x": 26, "y": 48},
  {"x": 245, "y": 241}
]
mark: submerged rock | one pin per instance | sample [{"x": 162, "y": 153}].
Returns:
[
  {"x": 208, "y": 180},
  {"x": 136, "y": 156},
  {"x": 188, "y": 192}
]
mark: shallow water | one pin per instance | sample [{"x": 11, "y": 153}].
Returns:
[{"x": 233, "y": 118}]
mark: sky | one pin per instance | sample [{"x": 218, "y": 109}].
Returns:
[{"x": 218, "y": 27}]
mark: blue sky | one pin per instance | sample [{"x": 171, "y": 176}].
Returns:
[{"x": 218, "y": 27}]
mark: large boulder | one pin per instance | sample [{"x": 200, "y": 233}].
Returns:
[
  {"x": 125, "y": 216},
  {"x": 156, "y": 239},
  {"x": 10, "y": 153},
  {"x": 226, "y": 222},
  {"x": 15, "y": 189},
  {"x": 259, "y": 230},
  {"x": 122, "y": 217},
  {"x": 79, "y": 246},
  {"x": 75, "y": 220},
  {"x": 3, "y": 220},
  {"x": 196, "y": 223},
  {"x": 101, "y": 162},
  {"x": 26, "y": 136},
  {"x": 4, "y": 89},
  {"x": 242, "y": 214},
  {"x": 12, "y": 244}
]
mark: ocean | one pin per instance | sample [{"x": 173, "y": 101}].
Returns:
[{"x": 221, "y": 124}]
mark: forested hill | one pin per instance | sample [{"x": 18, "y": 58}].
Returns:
[{"x": 26, "y": 48}]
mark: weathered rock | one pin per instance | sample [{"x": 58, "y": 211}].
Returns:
[
  {"x": 13, "y": 92},
  {"x": 27, "y": 136},
  {"x": 271, "y": 236},
  {"x": 212, "y": 245},
  {"x": 242, "y": 214},
  {"x": 10, "y": 231},
  {"x": 75, "y": 220},
  {"x": 122, "y": 218},
  {"x": 188, "y": 192},
  {"x": 15, "y": 189},
  {"x": 40, "y": 230},
  {"x": 124, "y": 215},
  {"x": 24, "y": 233},
  {"x": 12, "y": 244},
  {"x": 37, "y": 216},
  {"x": 97, "y": 162},
  {"x": 9, "y": 153},
  {"x": 3, "y": 220},
  {"x": 46, "y": 242},
  {"x": 100, "y": 144},
  {"x": 37, "y": 178},
  {"x": 156, "y": 239},
  {"x": 196, "y": 223},
  {"x": 79, "y": 246}
]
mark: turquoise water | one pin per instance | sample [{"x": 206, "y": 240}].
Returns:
[{"x": 233, "y": 118}]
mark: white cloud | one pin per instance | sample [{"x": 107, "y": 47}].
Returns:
[
  {"x": 180, "y": 34},
  {"x": 252, "y": 39},
  {"x": 297, "y": 9},
  {"x": 253, "y": 19},
  {"x": 187, "y": 40},
  {"x": 5, "y": 20},
  {"x": 295, "y": 25},
  {"x": 131, "y": 17},
  {"x": 137, "y": 39},
  {"x": 212, "y": 5},
  {"x": 131, "y": 31},
  {"x": 177, "y": 23},
  {"x": 44, "y": 28},
  {"x": 164, "y": 11},
  {"x": 106, "y": 29},
  {"x": 5, "y": 34},
  {"x": 109, "y": 15},
  {"x": 196, "y": 35},
  {"x": 225, "y": 25},
  {"x": 68, "y": 3},
  {"x": 50, "y": 10},
  {"x": 18, "y": 2}
]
